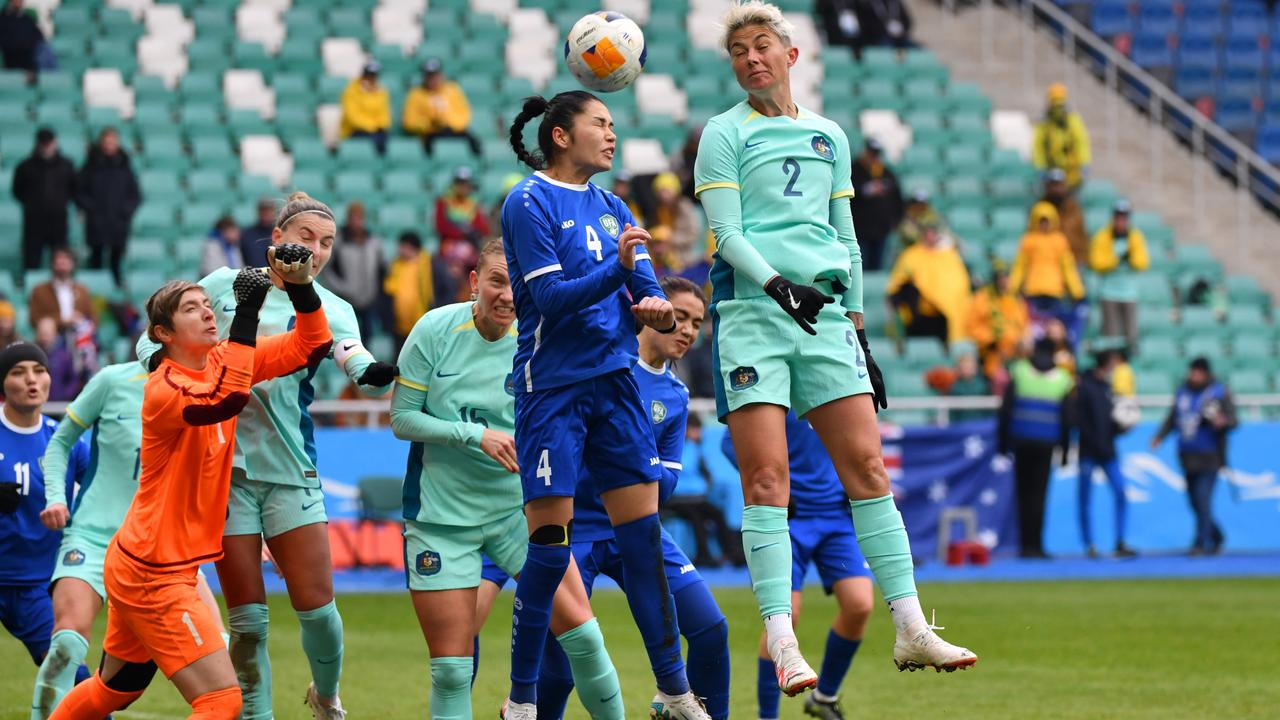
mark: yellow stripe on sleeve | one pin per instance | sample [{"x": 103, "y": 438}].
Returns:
[
  {"x": 76, "y": 419},
  {"x": 842, "y": 194},
  {"x": 411, "y": 384},
  {"x": 711, "y": 186}
]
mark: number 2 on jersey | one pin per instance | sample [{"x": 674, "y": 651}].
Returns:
[
  {"x": 544, "y": 466},
  {"x": 593, "y": 243},
  {"x": 791, "y": 167}
]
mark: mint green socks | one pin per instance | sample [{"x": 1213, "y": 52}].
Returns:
[
  {"x": 593, "y": 671},
  {"x": 766, "y": 541},
  {"x": 248, "y": 647},
  {"x": 322, "y": 642},
  {"x": 883, "y": 540},
  {"x": 451, "y": 688},
  {"x": 57, "y": 673}
]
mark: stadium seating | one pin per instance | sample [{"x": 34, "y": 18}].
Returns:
[{"x": 220, "y": 102}]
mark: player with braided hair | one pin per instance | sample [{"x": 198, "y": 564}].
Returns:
[
  {"x": 275, "y": 486},
  {"x": 190, "y": 405}
]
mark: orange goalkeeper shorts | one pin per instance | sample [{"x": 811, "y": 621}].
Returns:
[{"x": 156, "y": 615}]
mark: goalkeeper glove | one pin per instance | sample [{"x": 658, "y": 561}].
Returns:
[
  {"x": 378, "y": 374},
  {"x": 801, "y": 302},
  {"x": 250, "y": 287},
  {"x": 879, "y": 399}
]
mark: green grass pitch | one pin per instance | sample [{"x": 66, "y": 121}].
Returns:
[{"x": 1148, "y": 649}]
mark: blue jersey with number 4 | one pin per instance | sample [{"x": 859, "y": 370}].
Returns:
[
  {"x": 28, "y": 549},
  {"x": 573, "y": 299}
]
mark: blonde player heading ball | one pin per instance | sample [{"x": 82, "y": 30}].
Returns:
[{"x": 774, "y": 179}]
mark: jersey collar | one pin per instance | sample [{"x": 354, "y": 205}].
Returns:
[
  {"x": 21, "y": 430},
  {"x": 651, "y": 369},
  {"x": 557, "y": 183}
]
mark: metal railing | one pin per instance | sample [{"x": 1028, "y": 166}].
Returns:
[
  {"x": 373, "y": 411},
  {"x": 1084, "y": 49}
]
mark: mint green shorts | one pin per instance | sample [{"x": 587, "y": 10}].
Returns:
[
  {"x": 81, "y": 557},
  {"x": 269, "y": 509},
  {"x": 447, "y": 557},
  {"x": 761, "y": 355}
]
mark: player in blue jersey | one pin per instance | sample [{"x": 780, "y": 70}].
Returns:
[
  {"x": 822, "y": 535},
  {"x": 666, "y": 400},
  {"x": 28, "y": 550},
  {"x": 581, "y": 280},
  {"x": 775, "y": 181}
]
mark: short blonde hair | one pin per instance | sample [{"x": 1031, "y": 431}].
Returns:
[{"x": 755, "y": 12}]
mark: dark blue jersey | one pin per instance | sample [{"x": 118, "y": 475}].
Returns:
[
  {"x": 27, "y": 549},
  {"x": 573, "y": 299},
  {"x": 815, "y": 488},
  {"x": 666, "y": 402}
]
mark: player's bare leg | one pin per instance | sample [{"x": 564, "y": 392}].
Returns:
[
  {"x": 849, "y": 431},
  {"x": 854, "y": 600},
  {"x": 760, "y": 442},
  {"x": 446, "y": 618},
  {"x": 302, "y": 556}
]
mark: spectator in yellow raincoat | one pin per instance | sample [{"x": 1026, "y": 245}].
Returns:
[
  {"x": 438, "y": 108},
  {"x": 929, "y": 285},
  {"x": 1061, "y": 140},
  {"x": 366, "y": 108},
  {"x": 1118, "y": 253}
]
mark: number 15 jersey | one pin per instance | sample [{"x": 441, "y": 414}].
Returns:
[
  {"x": 573, "y": 299},
  {"x": 788, "y": 172}
]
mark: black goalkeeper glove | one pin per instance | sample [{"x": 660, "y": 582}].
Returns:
[
  {"x": 801, "y": 302},
  {"x": 10, "y": 497},
  {"x": 378, "y": 374},
  {"x": 292, "y": 262},
  {"x": 879, "y": 399},
  {"x": 250, "y": 287}
]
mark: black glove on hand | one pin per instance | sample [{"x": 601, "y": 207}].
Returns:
[
  {"x": 801, "y": 302},
  {"x": 10, "y": 497},
  {"x": 378, "y": 374},
  {"x": 292, "y": 262},
  {"x": 250, "y": 287},
  {"x": 879, "y": 399}
]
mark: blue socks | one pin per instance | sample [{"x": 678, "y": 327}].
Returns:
[
  {"x": 768, "y": 696},
  {"x": 654, "y": 610},
  {"x": 248, "y": 647},
  {"x": 475, "y": 659},
  {"x": 707, "y": 634},
  {"x": 835, "y": 663},
  {"x": 555, "y": 682},
  {"x": 544, "y": 568},
  {"x": 83, "y": 673},
  {"x": 322, "y": 642},
  {"x": 60, "y": 670}
]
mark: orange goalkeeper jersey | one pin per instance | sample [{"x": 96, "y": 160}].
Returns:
[{"x": 188, "y": 427}]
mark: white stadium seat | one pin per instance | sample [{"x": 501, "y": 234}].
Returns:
[
  {"x": 135, "y": 7},
  {"x": 657, "y": 94},
  {"x": 501, "y": 9},
  {"x": 329, "y": 120},
  {"x": 263, "y": 155},
  {"x": 260, "y": 24},
  {"x": 397, "y": 26},
  {"x": 163, "y": 57},
  {"x": 1013, "y": 130},
  {"x": 637, "y": 10},
  {"x": 244, "y": 89},
  {"x": 167, "y": 21},
  {"x": 644, "y": 156},
  {"x": 104, "y": 87},
  {"x": 343, "y": 57},
  {"x": 885, "y": 126},
  {"x": 278, "y": 6}
]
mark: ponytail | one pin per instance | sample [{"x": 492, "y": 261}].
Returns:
[
  {"x": 532, "y": 108},
  {"x": 560, "y": 112}
]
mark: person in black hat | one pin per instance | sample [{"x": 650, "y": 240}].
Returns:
[
  {"x": 438, "y": 108},
  {"x": 366, "y": 108},
  {"x": 44, "y": 184},
  {"x": 1203, "y": 413},
  {"x": 877, "y": 203}
]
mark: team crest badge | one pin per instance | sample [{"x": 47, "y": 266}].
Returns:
[
  {"x": 610, "y": 224},
  {"x": 510, "y": 385},
  {"x": 658, "y": 411},
  {"x": 822, "y": 146},
  {"x": 742, "y": 378},
  {"x": 428, "y": 563},
  {"x": 73, "y": 557}
]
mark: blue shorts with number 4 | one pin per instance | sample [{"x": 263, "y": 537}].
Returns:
[
  {"x": 596, "y": 428},
  {"x": 831, "y": 544}
]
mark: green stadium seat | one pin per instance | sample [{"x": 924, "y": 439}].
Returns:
[
  {"x": 1195, "y": 317},
  {"x": 1158, "y": 347},
  {"x": 358, "y": 154},
  {"x": 1250, "y": 381},
  {"x": 199, "y": 217},
  {"x": 449, "y": 153},
  {"x": 313, "y": 182},
  {"x": 209, "y": 183},
  {"x": 1012, "y": 222},
  {"x": 1246, "y": 318},
  {"x": 396, "y": 218},
  {"x": 1154, "y": 384},
  {"x": 1252, "y": 347},
  {"x": 355, "y": 184},
  {"x": 403, "y": 184},
  {"x": 923, "y": 351},
  {"x": 153, "y": 219}
]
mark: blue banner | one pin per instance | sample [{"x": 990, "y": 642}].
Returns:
[{"x": 933, "y": 469}]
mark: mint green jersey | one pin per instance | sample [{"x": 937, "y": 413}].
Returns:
[
  {"x": 466, "y": 381},
  {"x": 275, "y": 441},
  {"x": 110, "y": 407},
  {"x": 788, "y": 171}
]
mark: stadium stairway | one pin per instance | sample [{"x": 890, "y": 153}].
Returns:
[{"x": 958, "y": 39}]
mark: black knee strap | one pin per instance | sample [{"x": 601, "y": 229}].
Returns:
[
  {"x": 133, "y": 677},
  {"x": 552, "y": 535}
]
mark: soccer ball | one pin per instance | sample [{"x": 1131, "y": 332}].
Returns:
[
  {"x": 1125, "y": 413},
  {"x": 605, "y": 51}
]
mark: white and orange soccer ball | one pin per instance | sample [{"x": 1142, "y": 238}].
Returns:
[{"x": 605, "y": 51}]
